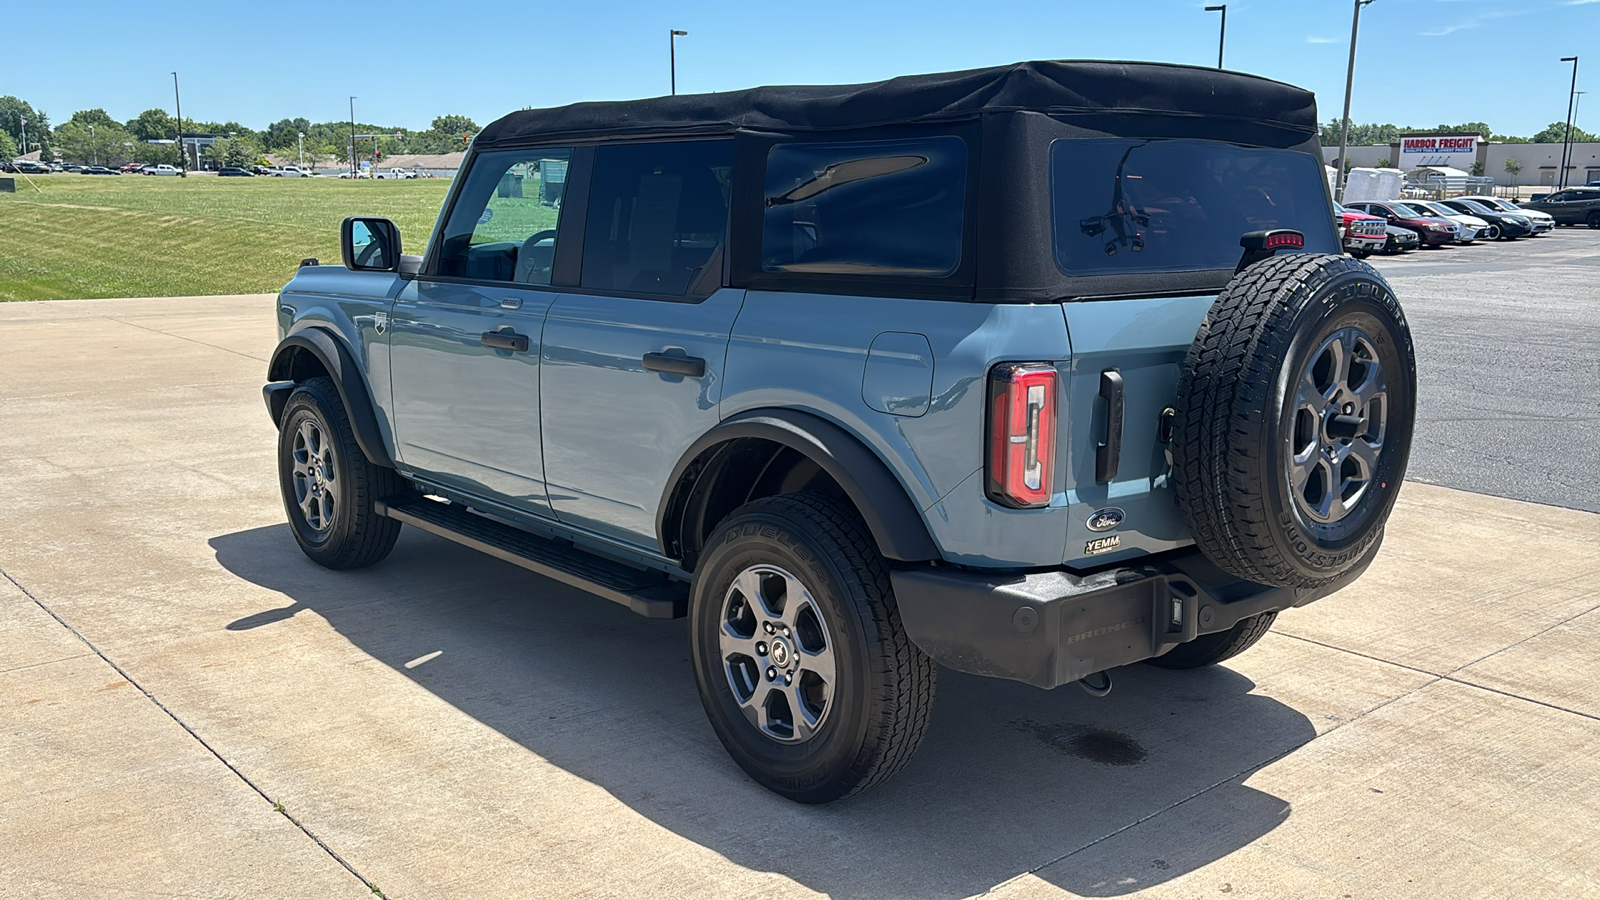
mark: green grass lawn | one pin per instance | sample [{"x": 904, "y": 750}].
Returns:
[{"x": 140, "y": 236}]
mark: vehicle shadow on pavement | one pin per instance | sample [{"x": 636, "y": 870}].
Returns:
[{"x": 1009, "y": 779}]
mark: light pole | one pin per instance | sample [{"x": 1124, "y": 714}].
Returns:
[
  {"x": 94, "y": 158},
  {"x": 352, "y": 138},
  {"x": 1223, "y": 38},
  {"x": 302, "y": 139},
  {"x": 1349, "y": 82},
  {"x": 177, "y": 102},
  {"x": 1566, "y": 140},
  {"x": 24, "y": 134},
  {"x": 672, "y": 50}
]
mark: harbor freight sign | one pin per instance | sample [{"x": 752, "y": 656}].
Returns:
[{"x": 1455, "y": 151}]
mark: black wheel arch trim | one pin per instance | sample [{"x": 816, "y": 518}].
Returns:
[
  {"x": 893, "y": 520},
  {"x": 336, "y": 358}
]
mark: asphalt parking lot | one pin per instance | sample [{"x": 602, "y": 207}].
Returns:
[
  {"x": 188, "y": 707},
  {"x": 1508, "y": 358}
]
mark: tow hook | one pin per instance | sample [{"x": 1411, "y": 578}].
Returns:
[{"x": 1096, "y": 690}]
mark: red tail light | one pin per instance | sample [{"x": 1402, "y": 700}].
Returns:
[{"x": 1022, "y": 434}]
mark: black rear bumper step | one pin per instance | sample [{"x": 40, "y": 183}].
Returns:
[{"x": 650, "y": 594}]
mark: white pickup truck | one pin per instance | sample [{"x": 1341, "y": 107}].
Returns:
[{"x": 394, "y": 173}]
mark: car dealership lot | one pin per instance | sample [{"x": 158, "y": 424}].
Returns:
[{"x": 447, "y": 725}]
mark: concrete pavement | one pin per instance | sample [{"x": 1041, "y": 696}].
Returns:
[{"x": 446, "y": 725}]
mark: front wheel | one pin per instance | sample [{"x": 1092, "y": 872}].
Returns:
[
  {"x": 1494, "y": 233},
  {"x": 1594, "y": 219},
  {"x": 329, "y": 485},
  {"x": 803, "y": 667}
]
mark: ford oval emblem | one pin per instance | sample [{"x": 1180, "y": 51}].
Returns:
[{"x": 1105, "y": 519}]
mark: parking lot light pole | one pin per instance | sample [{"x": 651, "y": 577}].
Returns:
[
  {"x": 94, "y": 158},
  {"x": 1566, "y": 141},
  {"x": 672, "y": 55},
  {"x": 1349, "y": 82},
  {"x": 1223, "y": 38},
  {"x": 302, "y": 138},
  {"x": 177, "y": 102},
  {"x": 352, "y": 138}
]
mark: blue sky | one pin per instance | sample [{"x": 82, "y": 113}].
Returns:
[{"x": 1421, "y": 62}]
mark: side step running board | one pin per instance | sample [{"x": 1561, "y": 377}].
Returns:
[{"x": 650, "y": 594}]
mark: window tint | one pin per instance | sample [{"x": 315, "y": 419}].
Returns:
[
  {"x": 503, "y": 225},
  {"x": 657, "y": 215},
  {"x": 865, "y": 208},
  {"x": 1121, "y": 206}
]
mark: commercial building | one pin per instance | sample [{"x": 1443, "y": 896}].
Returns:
[{"x": 1537, "y": 164}]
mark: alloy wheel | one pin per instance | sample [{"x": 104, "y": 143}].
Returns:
[
  {"x": 777, "y": 653},
  {"x": 315, "y": 478},
  {"x": 1340, "y": 411}
]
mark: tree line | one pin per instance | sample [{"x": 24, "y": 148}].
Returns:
[{"x": 93, "y": 136}]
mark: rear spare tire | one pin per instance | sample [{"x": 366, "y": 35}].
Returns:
[{"x": 1293, "y": 420}]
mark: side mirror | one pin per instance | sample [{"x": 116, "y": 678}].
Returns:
[{"x": 369, "y": 244}]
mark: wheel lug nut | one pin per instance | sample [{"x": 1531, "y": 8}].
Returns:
[
  {"x": 788, "y": 678},
  {"x": 767, "y": 626},
  {"x": 772, "y": 673},
  {"x": 761, "y": 648},
  {"x": 785, "y": 631}
]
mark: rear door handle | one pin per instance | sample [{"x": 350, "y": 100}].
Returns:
[
  {"x": 1108, "y": 456},
  {"x": 692, "y": 366},
  {"x": 505, "y": 340}
]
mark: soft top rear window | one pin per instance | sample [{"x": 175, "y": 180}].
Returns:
[{"x": 1121, "y": 206}]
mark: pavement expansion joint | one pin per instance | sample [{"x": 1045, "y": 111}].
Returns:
[
  {"x": 278, "y": 807},
  {"x": 181, "y": 337}
]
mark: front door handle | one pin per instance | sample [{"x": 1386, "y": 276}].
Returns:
[
  {"x": 505, "y": 340},
  {"x": 692, "y": 366}
]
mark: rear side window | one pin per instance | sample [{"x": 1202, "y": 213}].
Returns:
[
  {"x": 657, "y": 215},
  {"x": 865, "y": 208},
  {"x": 1122, "y": 206}
]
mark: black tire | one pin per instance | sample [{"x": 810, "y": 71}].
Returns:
[
  {"x": 1265, "y": 346},
  {"x": 1594, "y": 219},
  {"x": 882, "y": 699},
  {"x": 1210, "y": 649},
  {"x": 1495, "y": 232},
  {"x": 1360, "y": 254},
  {"x": 354, "y": 535}
]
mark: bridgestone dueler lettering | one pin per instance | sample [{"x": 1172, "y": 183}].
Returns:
[{"x": 1236, "y": 416}]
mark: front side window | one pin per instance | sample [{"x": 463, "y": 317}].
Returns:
[
  {"x": 658, "y": 213},
  {"x": 503, "y": 225},
  {"x": 1120, "y": 206},
  {"x": 865, "y": 208}
]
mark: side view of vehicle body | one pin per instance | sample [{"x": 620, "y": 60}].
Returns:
[
  {"x": 1431, "y": 230},
  {"x": 1573, "y": 206},
  {"x": 1503, "y": 226},
  {"x": 1539, "y": 221},
  {"x": 1470, "y": 227},
  {"x": 1030, "y": 372}
]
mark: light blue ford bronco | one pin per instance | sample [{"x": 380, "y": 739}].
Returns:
[{"x": 1031, "y": 372}]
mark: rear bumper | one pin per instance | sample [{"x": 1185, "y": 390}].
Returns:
[{"x": 1055, "y": 627}]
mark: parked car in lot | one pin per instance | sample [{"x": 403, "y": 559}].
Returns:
[
  {"x": 797, "y": 377},
  {"x": 1573, "y": 206},
  {"x": 363, "y": 173},
  {"x": 394, "y": 174},
  {"x": 1503, "y": 226},
  {"x": 1432, "y": 230},
  {"x": 132, "y": 168},
  {"x": 1362, "y": 235},
  {"x": 31, "y": 168},
  {"x": 1539, "y": 221},
  {"x": 234, "y": 172},
  {"x": 291, "y": 172},
  {"x": 1399, "y": 240},
  {"x": 1471, "y": 227},
  {"x": 162, "y": 169},
  {"x": 99, "y": 170}
]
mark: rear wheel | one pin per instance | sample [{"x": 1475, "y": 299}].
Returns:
[
  {"x": 1594, "y": 219},
  {"x": 803, "y": 667}
]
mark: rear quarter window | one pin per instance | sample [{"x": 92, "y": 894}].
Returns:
[
  {"x": 1122, "y": 206},
  {"x": 891, "y": 207}
]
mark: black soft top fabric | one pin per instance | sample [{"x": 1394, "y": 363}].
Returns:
[{"x": 1080, "y": 88}]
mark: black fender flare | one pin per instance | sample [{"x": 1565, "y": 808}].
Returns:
[
  {"x": 890, "y": 516},
  {"x": 347, "y": 379}
]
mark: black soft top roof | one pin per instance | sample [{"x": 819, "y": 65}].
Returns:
[{"x": 1079, "y": 88}]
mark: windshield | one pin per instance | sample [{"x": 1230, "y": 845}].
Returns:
[
  {"x": 1475, "y": 206},
  {"x": 1493, "y": 203},
  {"x": 1121, "y": 206},
  {"x": 1406, "y": 212}
]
